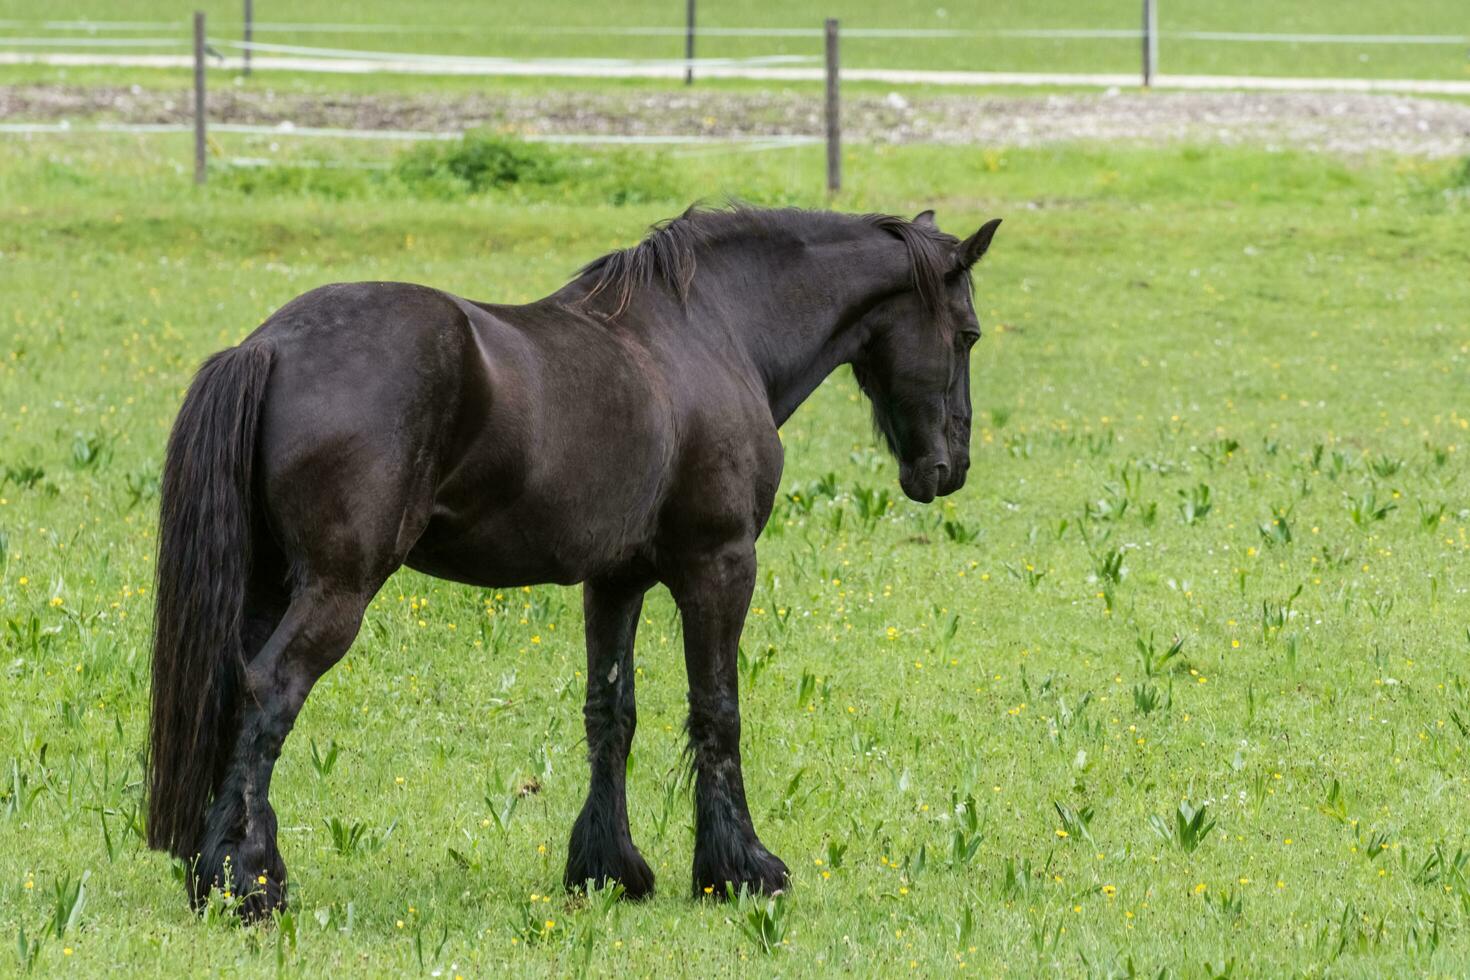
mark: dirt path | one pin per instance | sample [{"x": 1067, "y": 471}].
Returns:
[{"x": 1339, "y": 123}]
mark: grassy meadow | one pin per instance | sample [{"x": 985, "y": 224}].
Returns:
[
  {"x": 1178, "y": 683},
  {"x": 949, "y": 34}
]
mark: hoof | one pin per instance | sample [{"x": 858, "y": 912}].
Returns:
[
  {"x": 602, "y": 859},
  {"x": 625, "y": 866},
  {"x": 756, "y": 870},
  {"x": 251, "y": 878},
  {"x": 259, "y": 900}
]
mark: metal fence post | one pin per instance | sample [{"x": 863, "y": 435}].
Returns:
[
  {"x": 1150, "y": 41},
  {"x": 834, "y": 124},
  {"x": 249, "y": 31},
  {"x": 199, "y": 172},
  {"x": 689, "y": 45}
]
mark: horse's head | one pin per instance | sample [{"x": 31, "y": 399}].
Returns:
[{"x": 915, "y": 367}]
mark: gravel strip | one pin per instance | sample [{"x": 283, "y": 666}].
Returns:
[{"x": 1337, "y": 123}]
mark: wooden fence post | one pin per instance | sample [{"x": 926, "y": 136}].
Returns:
[
  {"x": 199, "y": 147},
  {"x": 689, "y": 45},
  {"x": 249, "y": 31},
  {"x": 834, "y": 124},
  {"x": 1150, "y": 41}
]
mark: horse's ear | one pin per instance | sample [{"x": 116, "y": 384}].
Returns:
[
  {"x": 925, "y": 218},
  {"x": 971, "y": 249}
]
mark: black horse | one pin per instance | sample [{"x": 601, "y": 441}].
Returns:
[{"x": 618, "y": 433}]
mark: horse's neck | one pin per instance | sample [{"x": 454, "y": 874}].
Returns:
[{"x": 806, "y": 321}]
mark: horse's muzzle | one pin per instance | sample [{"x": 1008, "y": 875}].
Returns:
[
  {"x": 953, "y": 478},
  {"x": 922, "y": 481}
]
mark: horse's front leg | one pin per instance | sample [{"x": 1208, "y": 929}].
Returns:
[
  {"x": 713, "y": 592},
  {"x": 601, "y": 848}
]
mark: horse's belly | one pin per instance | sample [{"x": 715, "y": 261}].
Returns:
[
  {"x": 536, "y": 539},
  {"x": 490, "y": 565}
]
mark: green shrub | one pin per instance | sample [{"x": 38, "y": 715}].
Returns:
[
  {"x": 479, "y": 163},
  {"x": 476, "y": 164}
]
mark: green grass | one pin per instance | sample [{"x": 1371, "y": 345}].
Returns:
[
  {"x": 1220, "y": 399},
  {"x": 551, "y": 30}
]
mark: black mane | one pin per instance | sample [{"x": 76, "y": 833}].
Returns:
[{"x": 668, "y": 253}]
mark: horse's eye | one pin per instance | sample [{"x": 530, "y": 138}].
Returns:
[{"x": 967, "y": 339}]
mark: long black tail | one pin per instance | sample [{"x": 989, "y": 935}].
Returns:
[{"x": 204, "y": 541}]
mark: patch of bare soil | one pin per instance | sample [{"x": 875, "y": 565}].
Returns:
[{"x": 1345, "y": 124}]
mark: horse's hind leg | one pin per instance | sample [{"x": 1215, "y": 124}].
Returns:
[
  {"x": 601, "y": 848},
  {"x": 239, "y": 851}
]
